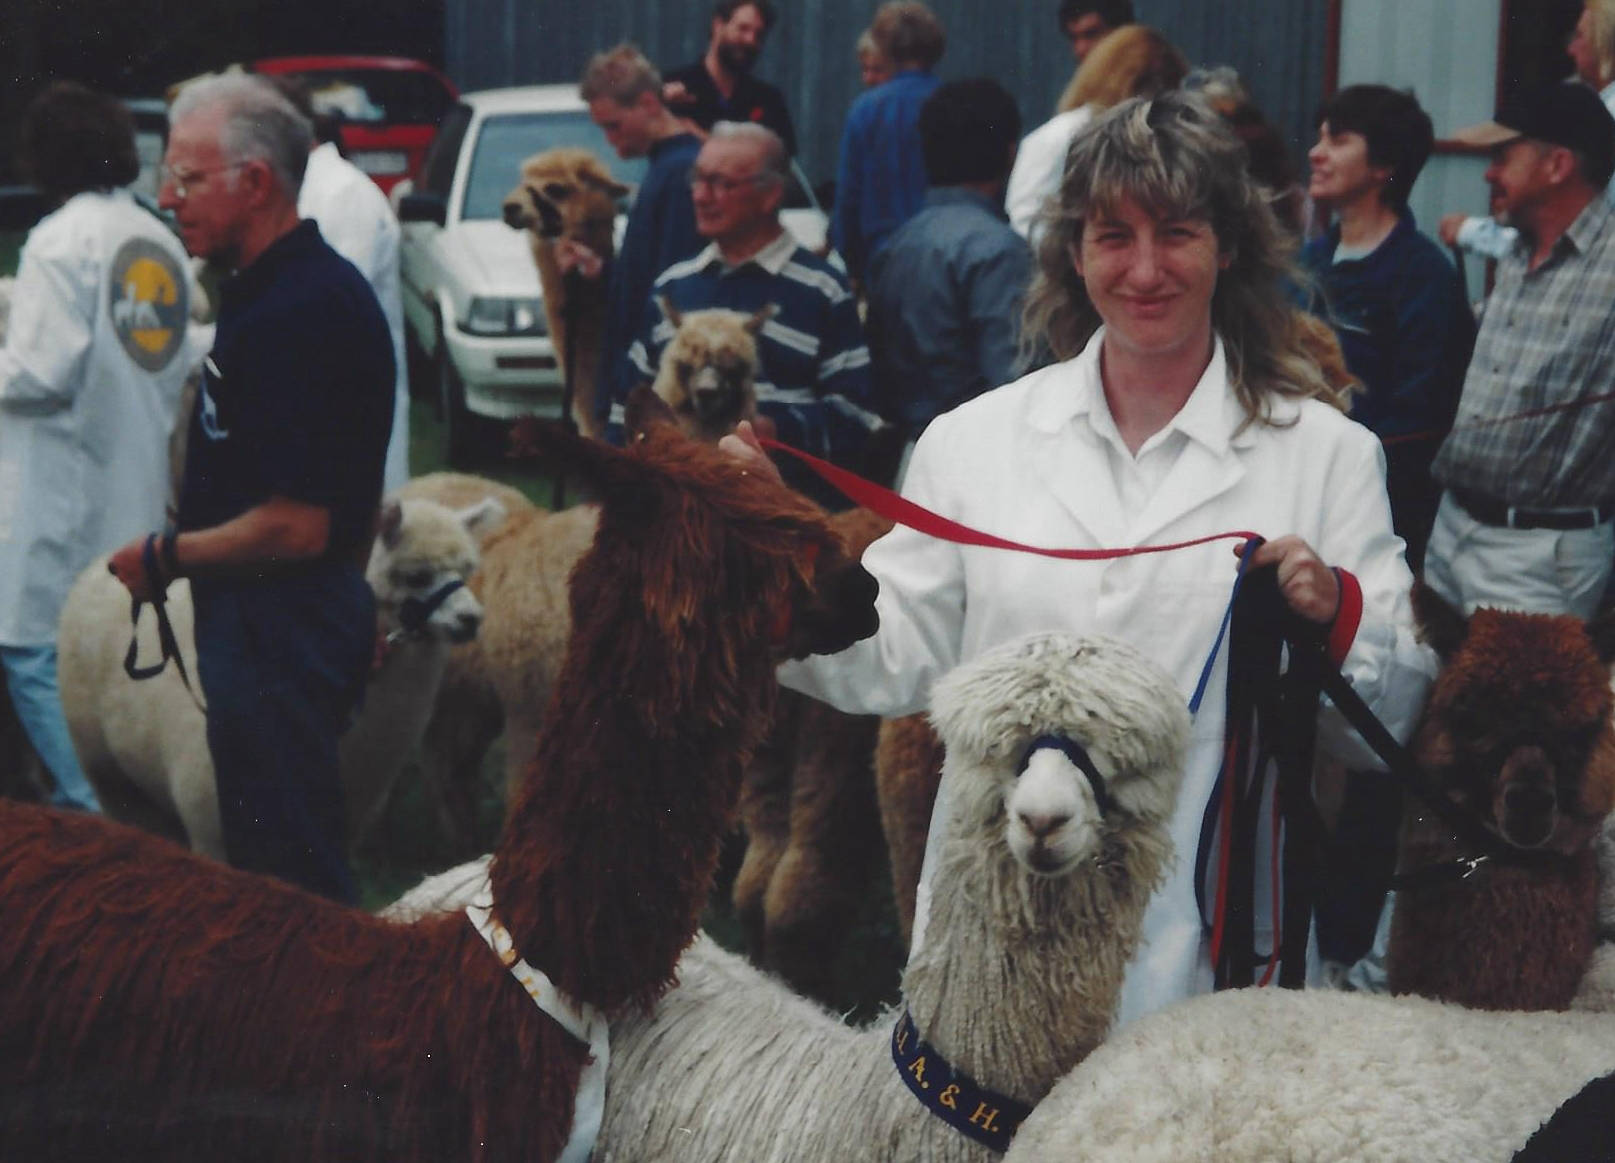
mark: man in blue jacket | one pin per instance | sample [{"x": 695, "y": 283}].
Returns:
[
  {"x": 624, "y": 94},
  {"x": 880, "y": 179}
]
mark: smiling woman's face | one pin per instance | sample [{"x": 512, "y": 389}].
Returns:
[{"x": 1150, "y": 279}]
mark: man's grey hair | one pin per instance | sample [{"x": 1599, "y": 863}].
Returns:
[
  {"x": 774, "y": 163},
  {"x": 259, "y": 124}
]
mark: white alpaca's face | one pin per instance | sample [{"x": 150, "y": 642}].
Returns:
[
  {"x": 1053, "y": 818},
  {"x": 419, "y": 564}
]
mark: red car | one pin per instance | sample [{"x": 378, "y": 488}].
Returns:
[{"x": 389, "y": 106}]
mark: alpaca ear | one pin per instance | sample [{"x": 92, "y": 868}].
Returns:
[
  {"x": 482, "y": 516},
  {"x": 606, "y": 184},
  {"x": 561, "y": 450},
  {"x": 1442, "y": 626},
  {"x": 1602, "y": 631},
  {"x": 764, "y": 313},
  {"x": 669, "y": 312},
  {"x": 644, "y": 410},
  {"x": 392, "y": 524}
]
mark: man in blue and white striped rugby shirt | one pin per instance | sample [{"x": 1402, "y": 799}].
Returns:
[{"x": 813, "y": 386}]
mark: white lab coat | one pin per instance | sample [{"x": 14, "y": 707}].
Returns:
[
  {"x": 355, "y": 217},
  {"x": 1025, "y": 462},
  {"x": 1039, "y": 165},
  {"x": 90, "y": 380}
]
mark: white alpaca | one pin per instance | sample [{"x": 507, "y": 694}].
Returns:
[
  {"x": 1038, "y": 906},
  {"x": 144, "y": 745},
  {"x": 1318, "y": 1077}
]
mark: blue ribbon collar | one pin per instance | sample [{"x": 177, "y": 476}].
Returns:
[{"x": 986, "y": 1116}]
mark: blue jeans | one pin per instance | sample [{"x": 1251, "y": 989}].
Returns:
[
  {"x": 283, "y": 663},
  {"x": 31, "y": 679}
]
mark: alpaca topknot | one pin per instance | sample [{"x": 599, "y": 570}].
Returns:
[{"x": 1122, "y": 704}]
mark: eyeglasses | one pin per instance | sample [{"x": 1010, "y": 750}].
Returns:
[
  {"x": 180, "y": 181},
  {"x": 720, "y": 184}
]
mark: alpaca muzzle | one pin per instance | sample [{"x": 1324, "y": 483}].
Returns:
[
  {"x": 1526, "y": 803},
  {"x": 1058, "y": 806}
]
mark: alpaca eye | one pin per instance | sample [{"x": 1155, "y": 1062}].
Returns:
[
  {"x": 556, "y": 190},
  {"x": 412, "y": 579}
]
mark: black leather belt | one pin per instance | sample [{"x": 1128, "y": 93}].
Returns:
[{"x": 1491, "y": 511}]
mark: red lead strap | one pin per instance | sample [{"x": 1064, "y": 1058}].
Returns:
[{"x": 885, "y": 503}]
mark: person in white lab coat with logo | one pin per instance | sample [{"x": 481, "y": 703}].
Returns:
[{"x": 90, "y": 381}]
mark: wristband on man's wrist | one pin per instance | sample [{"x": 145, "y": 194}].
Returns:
[{"x": 168, "y": 550}]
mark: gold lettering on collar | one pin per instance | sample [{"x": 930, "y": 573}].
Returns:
[
  {"x": 949, "y": 1096},
  {"x": 917, "y": 1069},
  {"x": 985, "y": 1117},
  {"x": 902, "y": 1039}
]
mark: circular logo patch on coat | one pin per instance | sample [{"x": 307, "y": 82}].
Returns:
[{"x": 150, "y": 303}]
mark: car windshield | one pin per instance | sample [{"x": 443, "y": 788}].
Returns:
[
  {"x": 378, "y": 96},
  {"x": 508, "y": 139}
]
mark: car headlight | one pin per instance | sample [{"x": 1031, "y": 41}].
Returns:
[{"x": 501, "y": 316}]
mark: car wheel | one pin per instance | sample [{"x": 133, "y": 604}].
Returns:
[{"x": 459, "y": 425}]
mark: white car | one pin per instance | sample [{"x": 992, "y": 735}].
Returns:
[{"x": 473, "y": 308}]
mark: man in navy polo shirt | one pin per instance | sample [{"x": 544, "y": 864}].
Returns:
[{"x": 282, "y": 482}]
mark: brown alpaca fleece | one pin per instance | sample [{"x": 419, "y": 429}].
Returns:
[
  {"x": 908, "y": 771},
  {"x": 807, "y": 809},
  {"x": 1516, "y": 732},
  {"x": 158, "y": 1006}
]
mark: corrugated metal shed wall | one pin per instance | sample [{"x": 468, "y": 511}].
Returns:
[
  {"x": 1277, "y": 45},
  {"x": 1450, "y": 66}
]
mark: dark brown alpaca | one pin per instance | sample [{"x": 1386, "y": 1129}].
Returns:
[
  {"x": 807, "y": 807},
  {"x": 156, "y": 1006},
  {"x": 1517, "y": 732}
]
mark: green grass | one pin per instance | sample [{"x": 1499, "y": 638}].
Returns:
[
  {"x": 10, "y": 251},
  {"x": 408, "y": 843}
]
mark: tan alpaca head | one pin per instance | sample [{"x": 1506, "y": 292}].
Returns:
[
  {"x": 566, "y": 193},
  {"x": 708, "y": 371}
]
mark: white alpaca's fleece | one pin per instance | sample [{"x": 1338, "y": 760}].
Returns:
[
  {"x": 1318, "y": 1077},
  {"x": 1019, "y": 979},
  {"x": 1018, "y": 982},
  {"x": 144, "y": 744}
]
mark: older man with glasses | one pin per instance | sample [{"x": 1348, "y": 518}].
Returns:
[
  {"x": 813, "y": 387},
  {"x": 282, "y": 481}
]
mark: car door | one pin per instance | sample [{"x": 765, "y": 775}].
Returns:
[{"x": 420, "y": 250}]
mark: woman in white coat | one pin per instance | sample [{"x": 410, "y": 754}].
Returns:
[
  {"x": 1182, "y": 408},
  {"x": 90, "y": 377}
]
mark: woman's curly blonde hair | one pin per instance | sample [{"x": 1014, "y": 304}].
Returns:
[{"x": 1175, "y": 157}]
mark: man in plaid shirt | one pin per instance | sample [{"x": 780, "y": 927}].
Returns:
[{"x": 1524, "y": 522}]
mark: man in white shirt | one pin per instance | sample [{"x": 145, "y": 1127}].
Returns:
[{"x": 355, "y": 217}]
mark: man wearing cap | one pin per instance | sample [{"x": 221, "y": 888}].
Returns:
[{"x": 1524, "y": 522}]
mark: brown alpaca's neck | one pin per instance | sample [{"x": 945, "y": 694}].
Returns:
[{"x": 611, "y": 844}]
